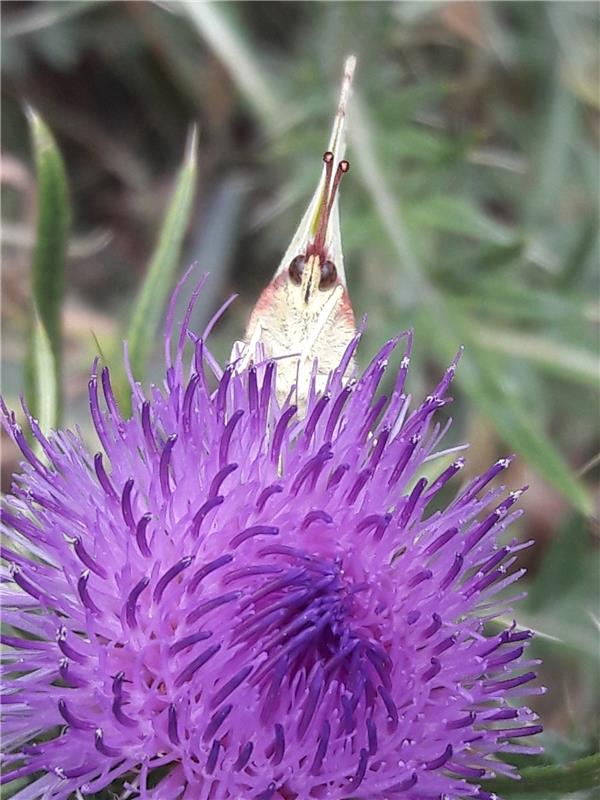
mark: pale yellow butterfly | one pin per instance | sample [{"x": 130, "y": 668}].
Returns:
[{"x": 304, "y": 317}]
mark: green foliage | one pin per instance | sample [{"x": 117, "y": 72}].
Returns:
[
  {"x": 53, "y": 216},
  {"x": 552, "y": 781},
  {"x": 562, "y": 600},
  {"x": 46, "y": 393}
]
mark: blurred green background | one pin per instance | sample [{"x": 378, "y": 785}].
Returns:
[{"x": 470, "y": 213}]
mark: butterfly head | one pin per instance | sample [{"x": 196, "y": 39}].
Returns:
[{"x": 314, "y": 270}]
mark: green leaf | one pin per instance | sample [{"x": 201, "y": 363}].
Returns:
[
  {"x": 567, "y": 568},
  {"x": 10, "y": 789},
  {"x": 550, "y": 781},
  {"x": 44, "y": 376},
  {"x": 558, "y": 358},
  {"x": 458, "y": 215},
  {"x": 151, "y": 300},
  {"x": 503, "y": 297},
  {"x": 48, "y": 268},
  {"x": 583, "y": 255},
  {"x": 482, "y": 378},
  {"x": 558, "y": 629},
  {"x": 560, "y": 126},
  {"x": 233, "y": 48},
  {"x": 410, "y": 141},
  {"x": 562, "y": 594}
]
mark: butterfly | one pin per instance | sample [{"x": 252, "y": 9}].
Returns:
[{"x": 304, "y": 317}]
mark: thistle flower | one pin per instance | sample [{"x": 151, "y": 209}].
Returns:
[{"x": 262, "y": 605}]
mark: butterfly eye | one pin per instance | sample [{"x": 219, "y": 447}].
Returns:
[
  {"x": 328, "y": 275},
  {"x": 296, "y": 269}
]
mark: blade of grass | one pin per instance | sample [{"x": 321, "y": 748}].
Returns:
[
  {"x": 553, "y": 780},
  {"x": 48, "y": 267},
  {"x": 150, "y": 302},
  {"x": 362, "y": 136},
  {"x": 553, "y": 157},
  {"x": 555, "y": 628},
  {"x": 44, "y": 376},
  {"x": 459, "y": 215},
  {"x": 560, "y": 359},
  {"x": 217, "y": 27},
  {"x": 506, "y": 300},
  {"x": 10, "y": 789},
  {"x": 506, "y": 622}
]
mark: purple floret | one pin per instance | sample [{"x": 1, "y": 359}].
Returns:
[{"x": 260, "y": 604}]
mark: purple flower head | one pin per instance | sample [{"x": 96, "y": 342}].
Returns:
[{"x": 236, "y": 601}]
